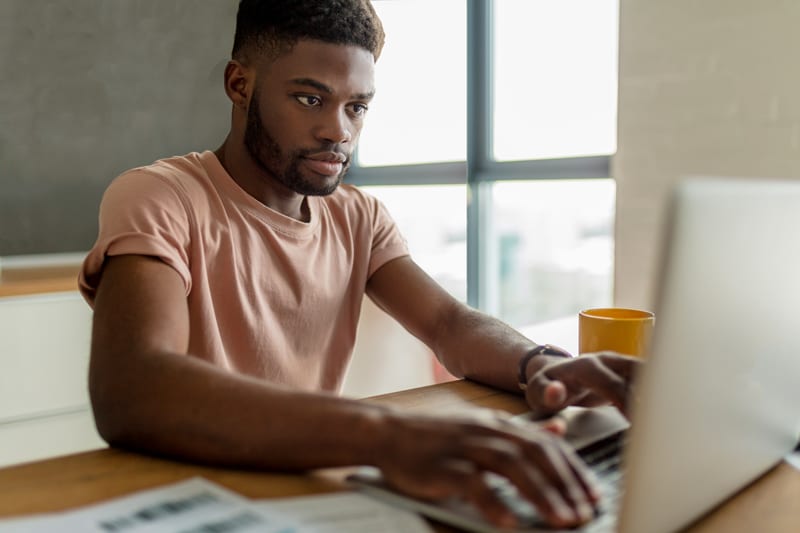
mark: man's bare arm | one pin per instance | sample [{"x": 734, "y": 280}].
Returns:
[
  {"x": 149, "y": 395},
  {"x": 474, "y": 345}
]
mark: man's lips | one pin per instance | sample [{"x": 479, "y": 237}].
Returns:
[{"x": 326, "y": 163}]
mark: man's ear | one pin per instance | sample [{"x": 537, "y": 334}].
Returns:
[{"x": 239, "y": 81}]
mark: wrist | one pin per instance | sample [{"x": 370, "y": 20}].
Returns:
[
  {"x": 540, "y": 354},
  {"x": 378, "y": 436}
]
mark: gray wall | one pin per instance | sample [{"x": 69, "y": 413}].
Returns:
[
  {"x": 705, "y": 88},
  {"x": 89, "y": 88}
]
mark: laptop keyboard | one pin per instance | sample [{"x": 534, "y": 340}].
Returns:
[{"x": 603, "y": 458}]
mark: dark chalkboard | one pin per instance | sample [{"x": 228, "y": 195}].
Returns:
[{"x": 90, "y": 88}]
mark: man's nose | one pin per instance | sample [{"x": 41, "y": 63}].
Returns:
[{"x": 335, "y": 128}]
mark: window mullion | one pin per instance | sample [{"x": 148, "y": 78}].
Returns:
[{"x": 479, "y": 138}]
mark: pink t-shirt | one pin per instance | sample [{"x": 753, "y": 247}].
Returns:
[{"x": 269, "y": 296}]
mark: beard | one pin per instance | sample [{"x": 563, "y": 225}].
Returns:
[{"x": 281, "y": 166}]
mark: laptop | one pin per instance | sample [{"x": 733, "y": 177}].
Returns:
[{"x": 718, "y": 403}]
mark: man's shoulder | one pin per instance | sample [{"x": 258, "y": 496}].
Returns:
[
  {"x": 186, "y": 176},
  {"x": 177, "y": 169}
]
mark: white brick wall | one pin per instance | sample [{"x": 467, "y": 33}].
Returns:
[{"x": 707, "y": 88}]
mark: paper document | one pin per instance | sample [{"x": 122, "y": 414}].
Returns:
[
  {"x": 346, "y": 512},
  {"x": 192, "y": 506},
  {"x": 200, "y": 506}
]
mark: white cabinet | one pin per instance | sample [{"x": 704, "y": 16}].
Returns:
[{"x": 44, "y": 401}]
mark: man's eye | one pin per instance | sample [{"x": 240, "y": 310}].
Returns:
[
  {"x": 359, "y": 109},
  {"x": 310, "y": 101}
]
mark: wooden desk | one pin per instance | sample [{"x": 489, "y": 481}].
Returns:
[
  {"x": 62, "y": 483},
  {"x": 38, "y": 280}
]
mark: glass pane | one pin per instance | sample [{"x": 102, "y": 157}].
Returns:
[
  {"x": 552, "y": 248},
  {"x": 555, "y": 86},
  {"x": 433, "y": 218},
  {"x": 418, "y": 114}
]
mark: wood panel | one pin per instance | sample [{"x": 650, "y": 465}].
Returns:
[{"x": 38, "y": 280}]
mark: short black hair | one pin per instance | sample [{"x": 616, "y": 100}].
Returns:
[{"x": 272, "y": 27}]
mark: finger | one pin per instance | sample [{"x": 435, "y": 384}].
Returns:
[
  {"x": 549, "y": 500},
  {"x": 555, "y": 425},
  {"x": 556, "y": 397},
  {"x": 462, "y": 480},
  {"x": 552, "y": 489},
  {"x": 591, "y": 400},
  {"x": 609, "y": 385},
  {"x": 487, "y": 501},
  {"x": 625, "y": 366},
  {"x": 585, "y": 476},
  {"x": 545, "y": 396},
  {"x": 586, "y": 491},
  {"x": 565, "y": 471},
  {"x": 591, "y": 375}
]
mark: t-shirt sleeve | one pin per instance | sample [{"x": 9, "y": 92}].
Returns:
[
  {"x": 387, "y": 242},
  {"x": 140, "y": 214}
]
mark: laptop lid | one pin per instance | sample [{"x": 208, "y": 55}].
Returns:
[{"x": 717, "y": 403}]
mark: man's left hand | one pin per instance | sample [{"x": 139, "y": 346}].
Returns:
[{"x": 589, "y": 380}]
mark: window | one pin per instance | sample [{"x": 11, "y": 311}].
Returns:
[
  {"x": 489, "y": 140},
  {"x": 554, "y": 248},
  {"x": 418, "y": 113},
  {"x": 433, "y": 220},
  {"x": 555, "y": 78}
]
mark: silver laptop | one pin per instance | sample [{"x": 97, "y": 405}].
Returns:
[{"x": 718, "y": 402}]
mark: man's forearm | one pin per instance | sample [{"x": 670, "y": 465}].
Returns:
[
  {"x": 180, "y": 406},
  {"x": 477, "y": 346}
]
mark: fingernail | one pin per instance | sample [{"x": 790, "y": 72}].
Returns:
[
  {"x": 585, "y": 512},
  {"x": 566, "y": 514}
]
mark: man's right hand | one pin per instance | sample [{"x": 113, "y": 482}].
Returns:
[{"x": 436, "y": 458}]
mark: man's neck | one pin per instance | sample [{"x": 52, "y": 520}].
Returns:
[{"x": 239, "y": 164}]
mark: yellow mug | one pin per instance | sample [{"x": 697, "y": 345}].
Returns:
[{"x": 616, "y": 329}]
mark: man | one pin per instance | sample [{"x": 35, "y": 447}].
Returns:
[{"x": 226, "y": 287}]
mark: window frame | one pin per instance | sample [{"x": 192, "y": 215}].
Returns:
[{"x": 480, "y": 169}]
